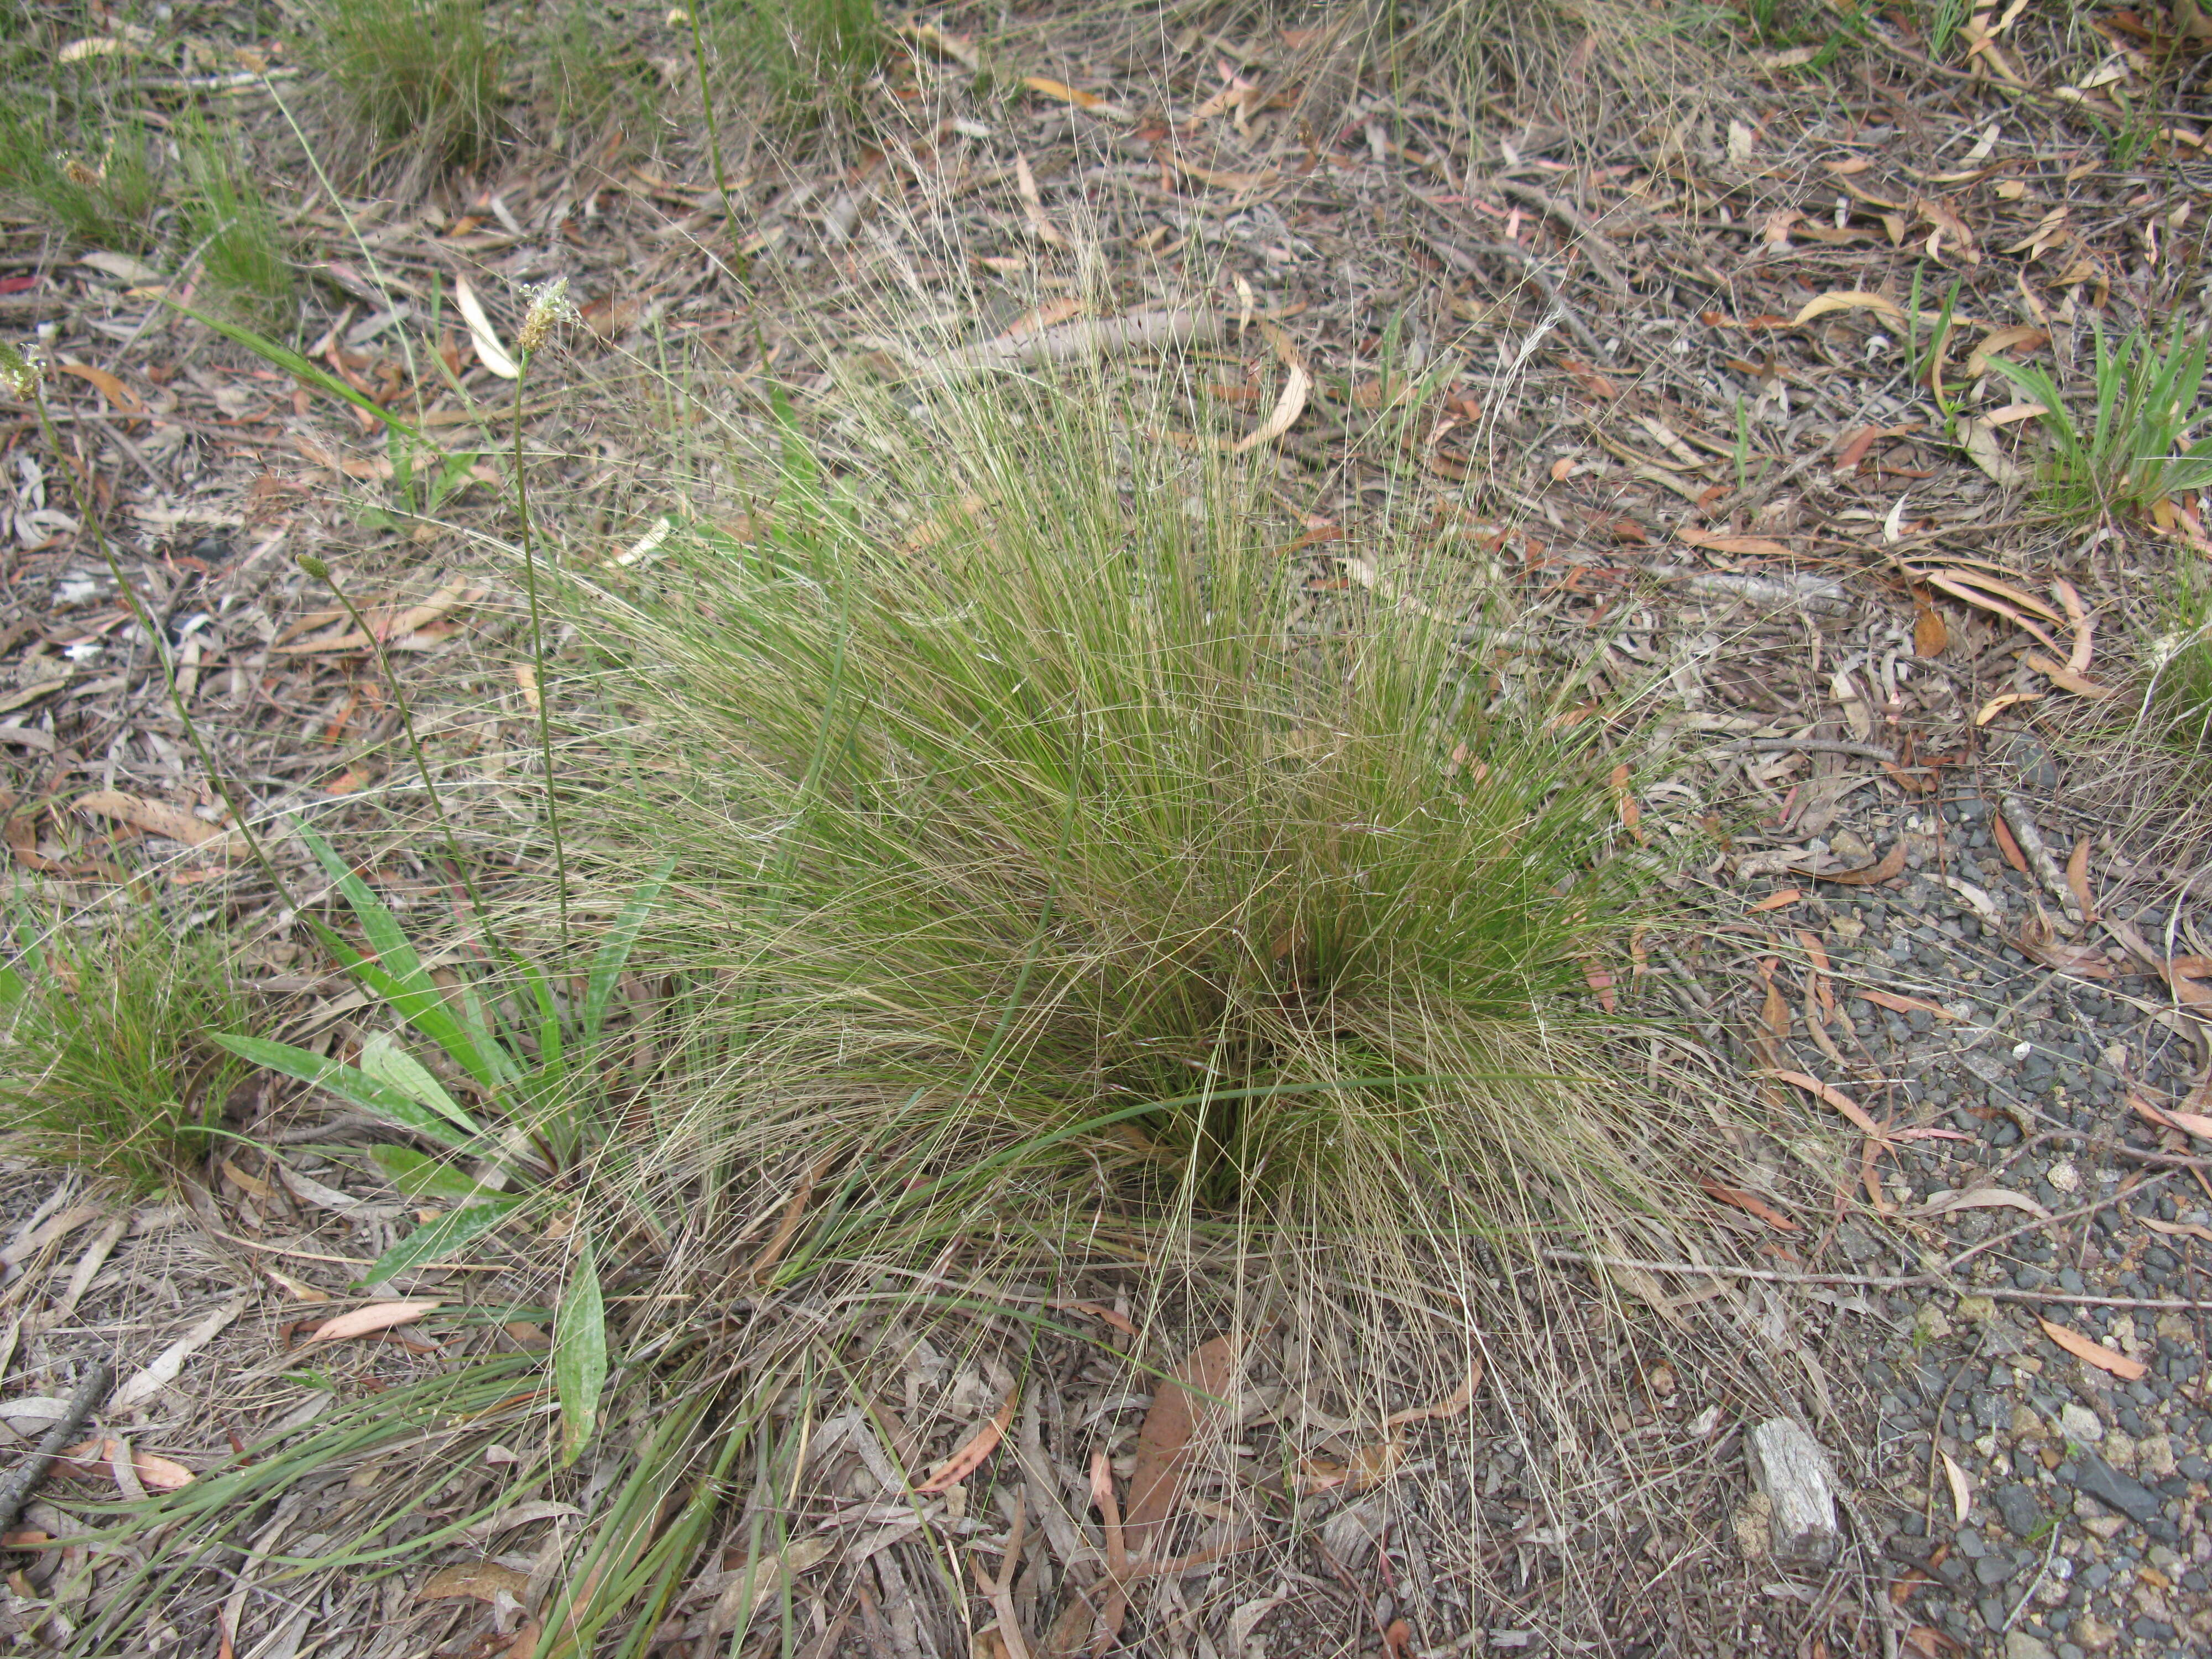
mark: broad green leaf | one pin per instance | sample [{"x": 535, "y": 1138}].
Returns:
[
  {"x": 355, "y": 1087},
  {"x": 441, "y": 1238},
  {"x": 419, "y": 1176},
  {"x": 579, "y": 1354},
  {"x": 614, "y": 950},
  {"x": 383, "y": 1058}
]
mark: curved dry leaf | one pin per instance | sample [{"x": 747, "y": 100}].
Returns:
[
  {"x": 1837, "y": 1098},
  {"x": 1962, "y": 1491},
  {"x": 1459, "y": 1400},
  {"x": 1853, "y": 300},
  {"x": 114, "y": 390},
  {"x": 2060, "y": 675},
  {"x": 377, "y": 1316},
  {"x": 1996, "y": 706},
  {"x": 969, "y": 1458},
  {"x": 2095, "y": 1354},
  {"x": 490, "y": 352},
  {"x": 1289, "y": 405},
  {"x": 1868, "y": 875}
]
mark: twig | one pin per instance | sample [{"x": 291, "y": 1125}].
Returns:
[
  {"x": 1935, "y": 1432},
  {"x": 90, "y": 1391},
  {"x": 1463, "y": 261},
  {"x": 2034, "y": 1584},
  {"x": 1810, "y": 745},
  {"x": 1093, "y": 336},
  {"x": 1591, "y": 242},
  {"x": 2031, "y": 843}
]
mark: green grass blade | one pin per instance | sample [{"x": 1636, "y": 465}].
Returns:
[{"x": 421, "y": 1176}]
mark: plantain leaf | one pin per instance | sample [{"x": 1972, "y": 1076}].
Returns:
[{"x": 579, "y": 1353}]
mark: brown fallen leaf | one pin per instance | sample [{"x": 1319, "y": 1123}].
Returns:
[
  {"x": 1776, "y": 901},
  {"x": 1051, "y": 88},
  {"x": 93, "y": 1458},
  {"x": 2095, "y": 1353},
  {"x": 1930, "y": 632},
  {"x": 1173, "y": 1435},
  {"x": 155, "y": 817},
  {"x": 969, "y": 1457},
  {"x": 1751, "y": 547},
  {"x": 1836, "y": 1098},
  {"x": 377, "y": 1316},
  {"x": 114, "y": 390},
  {"x": 2077, "y": 879},
  {"x": 1459, "y": 1400},
  {"x": 481, "y": 1581},
  {"x": 1890, "y": 866},
  {"x": 1751, "y": 1202}
]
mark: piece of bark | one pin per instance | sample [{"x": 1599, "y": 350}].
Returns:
[{"x": 1788, "y": 1465}]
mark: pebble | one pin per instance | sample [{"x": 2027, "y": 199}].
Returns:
[
  {"x": 2094, "y": 1475},
  {"x": 2080, "y": 1424}
]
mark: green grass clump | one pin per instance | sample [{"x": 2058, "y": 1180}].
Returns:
[
  {"x": 810, "y": 55},
  {"x": 242, "y": 246},
  {"x": 423, "y": 75},
  {"x": 107, "y": 1056},
  {"x": 1019, "y": 808},
  {"x": 2181, "y": 680},
  {"x": 107, "y": 193},
  {"x": 2132, "y": 450}
]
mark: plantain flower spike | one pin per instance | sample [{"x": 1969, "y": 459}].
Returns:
[
  {"x": 550, "y": 308},
  {"x": 20, "y": 371}
]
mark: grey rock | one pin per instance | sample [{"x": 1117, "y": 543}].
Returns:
[
  {"x": 2019, "y": 1644},
  {"x": 2080, "y": 1424},
  {"x": 2018, "y": 1507},
  {"x": 2094, "y": 1475}
]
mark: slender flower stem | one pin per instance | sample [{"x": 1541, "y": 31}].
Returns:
[
  {"x": 543, "y": 698},
  {"x": 137, "y": 605},
  {"x": 321, "y": 570}
]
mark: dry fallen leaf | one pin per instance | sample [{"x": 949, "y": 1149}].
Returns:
[
  {"x": 1962, "y": 1491},
  {"x": 377, "y": 1316},
  {"x": 1856, "y": 300},
  {"x": 1750, "y": 547},
  {"x": 93, "y": 1458},
  {"x": 1171, "y": 1438},
  {"x": 490, "y": 352},
  {"x": 1930, "y": 634},
  {"x": 114, "y": 390},
  {"x": 1837, "y": 1098},
  {"x": 969, "y": 1458},
  {"x": 2095, "y": 1353},
  {"x": 481, "y": 1581},
  {"x": 1751, "y": 1202},
  {"x": 1367, "y": 1468},
  {"x": 155, "y": 817},
  {"x": 1289, "y": 405},
  {"x": 2058, "y": 674}
]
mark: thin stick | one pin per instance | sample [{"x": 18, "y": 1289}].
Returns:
[
  {"x": 90, "y": 1391},
  {"x": 1869, "y": 1281}
]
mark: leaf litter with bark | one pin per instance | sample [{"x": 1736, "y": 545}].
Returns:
[{"x": 1592, "y": 544}]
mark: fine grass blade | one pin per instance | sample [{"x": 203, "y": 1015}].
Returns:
[{"x": 614, "y": 951}]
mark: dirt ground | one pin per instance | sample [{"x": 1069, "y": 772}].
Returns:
[{"x": 1951, "y": 941}]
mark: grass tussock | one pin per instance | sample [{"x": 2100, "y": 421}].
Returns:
[
  {"x": 422, "y": 76},
  {"x": 107, "y": 1056},
  {"x": 1030, "y": 797}
]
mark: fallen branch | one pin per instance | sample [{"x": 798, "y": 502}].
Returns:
[{"x": 16, "y": 1493}]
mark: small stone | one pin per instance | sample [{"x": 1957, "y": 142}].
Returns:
[
  {"x": 1930, "y": 1324},
  {"x": 2019, "y": 1644},
  {"x": 2080, "y": 1425},
  {"x": 2104, "y": 1526},
  {"x": 2064, "y": 1176},
  {"x": 1978, "y": 1309},
  {"x": 2119, "y": 1449},
  {"x": 2017, "y": 1508},
  {"x": 1789, "y": 1468},
  {"x": 2154, "y": 1458},
  {"x": 1850, "y": 846},
  {"x": 2094, "y": 1633}
]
